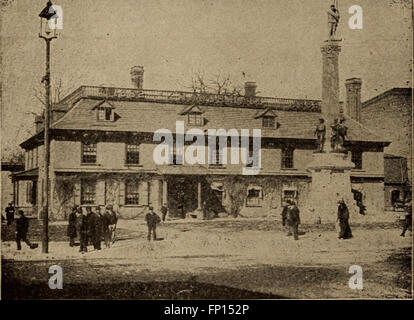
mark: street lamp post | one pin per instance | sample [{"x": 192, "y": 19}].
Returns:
[{"x": 46, "y": 34}]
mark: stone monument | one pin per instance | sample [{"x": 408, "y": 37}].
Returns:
[{"x": 331, "y": 167}]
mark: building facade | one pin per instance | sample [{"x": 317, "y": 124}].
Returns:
[
  {"x": 102, "y": 152},
  {"x": 389, "y": 115}
]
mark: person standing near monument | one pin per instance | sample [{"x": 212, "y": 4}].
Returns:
[{"x": 343, "y": 219}]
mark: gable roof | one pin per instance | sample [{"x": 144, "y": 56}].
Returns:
[
  {"x": 266, "y": 112},
  {"x": 149, "y": 117},
  {"x": 194, "y": 108}
]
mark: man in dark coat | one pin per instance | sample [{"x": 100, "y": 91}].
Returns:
[
  {"x": 164, "y": 211},
  {"x": 152, "y": 220},
  {"x": 101, "y": 222},
  {"x": 293, "y": 219},
  {"x": 94, "y": 229},
  {"x": 82, "y": 228},
  {"x": 71, "y": 231},
  {"x": 10, "y": 213},
  {"x": 284, "y": 217},
  {"x": 343, "y": 219},
  {"x": 22, "y": 227}
]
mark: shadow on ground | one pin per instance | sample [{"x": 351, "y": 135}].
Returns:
[{"x": 176, "y": 290}]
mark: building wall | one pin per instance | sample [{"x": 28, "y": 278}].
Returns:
[
  {"x": 390, "y": 118},
  {"x": 111, "y": 155},
  {"x": 110, "y": 187}
]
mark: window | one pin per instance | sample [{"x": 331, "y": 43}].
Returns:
[
  {"x": 357, "y": 159},
  {"x": 288, "y": 195},
  {"x": 254, "y": 197},
  {"x": 131, "y": 192},
  {"x": 176, "y": 158},
  {"x": 287, "y": 158},
  {"x": 268, "y": 122},
  {"x": 195, "y": 119},
  {"x": 88, "y": 191},
  {"x": 132, "y": 154},
  {"x": 88, "y": 152},
  {"x": 104, "y": 114},
  {"x": 216, "y": 159}
]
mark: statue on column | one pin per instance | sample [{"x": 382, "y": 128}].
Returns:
[
  {"x": 320, "y": 133},
  {"x": 333, "y": 20},
  {"x": 339, "y": 132}
]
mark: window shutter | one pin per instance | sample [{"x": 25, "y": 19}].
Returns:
[
  {"x": 100, "y": 192},
  {"x": 143, "y": 193},
  {"x": 121, "y": 193},
  {"x": 77, "y": 192}
]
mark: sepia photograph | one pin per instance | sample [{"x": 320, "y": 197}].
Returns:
[{"x": 180, "y": 150}]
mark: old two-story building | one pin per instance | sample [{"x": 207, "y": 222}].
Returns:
[{"x": 102, "y": 152}]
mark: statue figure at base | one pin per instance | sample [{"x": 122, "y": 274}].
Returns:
[
  {"x": 333, "y": 20},
  {"x": 339, "y": 132},
  {"x": 320, "y": 133}
]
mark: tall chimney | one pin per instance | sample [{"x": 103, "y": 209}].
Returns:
[
  {"x": 353, "y": 98},
  {"x": 137, "y": 76},
  {"x": 250, "y": 89}
]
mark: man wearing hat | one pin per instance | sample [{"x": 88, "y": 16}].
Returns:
[
  {"x": 10, "y": 213},
  {"x": 293, "y": 218},
  {"x": 71, "y": 231},
  {"x": 152, "y": 220},
  {"x": 22, "y": 227}
]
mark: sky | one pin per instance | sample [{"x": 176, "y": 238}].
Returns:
[{"x": 275, "y": 43}]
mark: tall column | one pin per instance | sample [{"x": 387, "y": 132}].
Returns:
[{"x": 330, "y": 78}]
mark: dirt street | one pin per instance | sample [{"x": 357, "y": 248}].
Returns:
[{"x": 216, "y": 259}]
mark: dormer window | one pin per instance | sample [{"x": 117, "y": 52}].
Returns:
[
  {"x": 104, "y": 114},
  {"x": 104, "y": 111},
  {"x": 268, "y": 122},
  {"x": 194, "y": 115},
  {"x": 268, "y": 118},
  {"x": 195, "y": 119}
]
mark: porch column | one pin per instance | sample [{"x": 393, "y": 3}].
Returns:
[
  {"x": 165, "y": 193},
  {"x": 199, "y": 195}
]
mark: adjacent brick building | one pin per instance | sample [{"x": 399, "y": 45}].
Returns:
[
  {"x": 389, "y": 115},
  {"x": 102, "y": 152}
]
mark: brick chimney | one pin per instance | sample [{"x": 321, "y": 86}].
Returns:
[
  {"x": 39, "y": 123},
  {"x": 353, "y": 98},
  {"x": 250, "y": 89},
  {"x": 137, "y": 76}
]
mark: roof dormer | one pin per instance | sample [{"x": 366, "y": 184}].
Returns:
[
  {"x": 104, "y": 111},
  {"x": 268, "y": 118},
  {"x": 194, "y": 115}
]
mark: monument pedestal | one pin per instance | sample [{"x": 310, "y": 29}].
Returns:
[{"x": 331, "y": 182}]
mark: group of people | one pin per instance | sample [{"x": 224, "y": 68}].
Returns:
[
  {"x": 291, "y": 218},
  {"x": 92, "y": 227}
]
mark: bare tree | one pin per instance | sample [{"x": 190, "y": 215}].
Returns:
[
  {"x": 217, "y": 84},
  {"x": 58, "y": 92}
]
